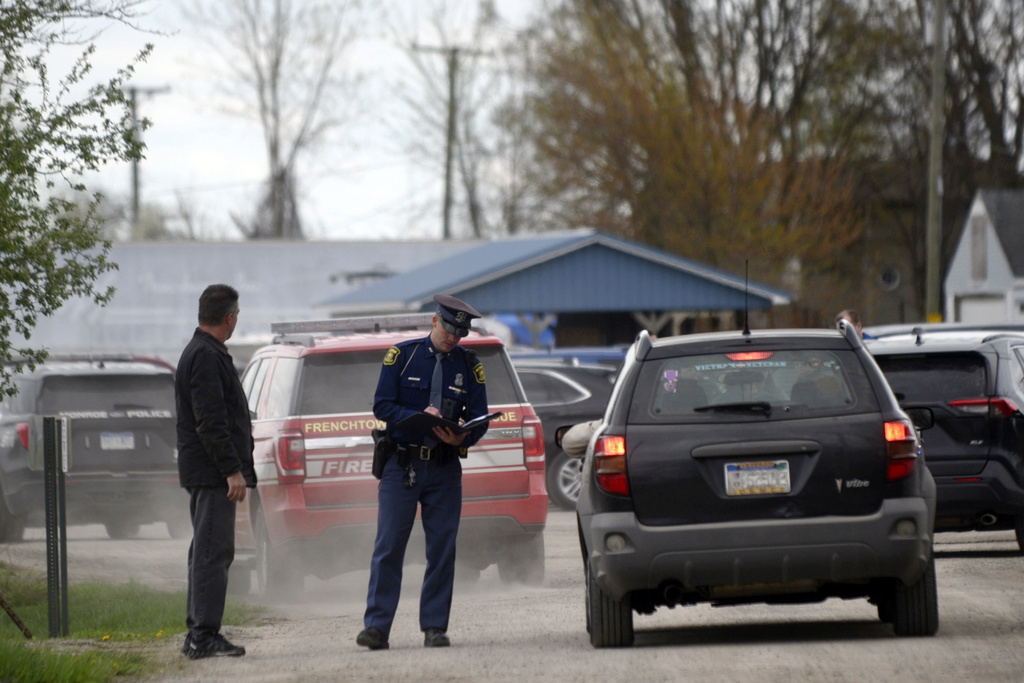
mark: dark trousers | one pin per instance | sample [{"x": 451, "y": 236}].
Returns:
[
  {"x": 438, "y": 490},
  {"x": 209, "y": 557}
]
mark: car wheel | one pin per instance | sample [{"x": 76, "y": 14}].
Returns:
[
  {"x": 466, "y": 573},
  {"x": 179, "y": 527},
  {"x": 610, "y": 621},
  {"x": 120, "y": 529},
  {"x": 1018, "y": 527},
  {"x": 915, "y": 608},
  {"x": 524, "y": 561},
  {"x": 239, "y": 578},
  {"x": 12, "y": 527},
  {"x": 564, "y": 478},
  {"x": 274, "y": 577}
]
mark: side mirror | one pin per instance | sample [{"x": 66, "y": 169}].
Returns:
[{"x": 923, "y": 418}]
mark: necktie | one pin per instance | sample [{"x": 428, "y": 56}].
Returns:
[{"x": 436, "y": 382}]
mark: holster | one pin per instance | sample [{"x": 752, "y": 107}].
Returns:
[{"x": 383, "y": 448}]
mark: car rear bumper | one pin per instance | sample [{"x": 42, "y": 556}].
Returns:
[
  {"x": 824, "y": 549},
  {"x": 994, "y": 490},
  {"x": 99, "y": 498}
]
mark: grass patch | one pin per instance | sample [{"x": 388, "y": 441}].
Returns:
[{"x": 110, "y": 627}]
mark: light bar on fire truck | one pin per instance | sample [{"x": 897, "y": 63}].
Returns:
[{"x": 373, "y": 323}]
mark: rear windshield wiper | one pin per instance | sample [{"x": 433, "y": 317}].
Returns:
[{"x": 745, "y": 407}]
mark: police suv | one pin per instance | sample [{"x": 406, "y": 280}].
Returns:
[
  {"x": 121, "y": 445},
  {"x": 314, "y": 510}
]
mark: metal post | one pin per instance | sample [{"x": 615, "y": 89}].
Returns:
[
  {"x": 50, "y": 467},
  {"x": 56, "y": 526}
]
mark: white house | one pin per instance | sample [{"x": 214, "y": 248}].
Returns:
[{"x": 985, "y": 281}]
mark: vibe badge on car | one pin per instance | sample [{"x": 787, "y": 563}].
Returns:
[{"x": 754, "y": 478}]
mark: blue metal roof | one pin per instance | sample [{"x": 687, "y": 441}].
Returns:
[{"x": 574, "y": 271}]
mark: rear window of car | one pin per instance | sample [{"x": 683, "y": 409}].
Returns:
[
  {"x": 935, "y": 378},
  {"x": 779, "y": 384},
  {"x": 107, "y": 393},
  {"x": 546, "y": 388},
  {"x": 338, "y": 383}
]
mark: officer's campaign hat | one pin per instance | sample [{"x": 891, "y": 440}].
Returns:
[{"x": 455, "y": 314}]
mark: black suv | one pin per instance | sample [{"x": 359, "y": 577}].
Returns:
[
  {"x": 770, "y": 466},
  {"x": 123, "y": 457},
  {"x": 563, "y": 393},
  {"x": 964, "y": 388}
]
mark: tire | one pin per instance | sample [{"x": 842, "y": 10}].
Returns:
[
  {"x": 915, "y": 608},
  {"x": 564, "y": 479},
  {"x": 179, "y": 528},
  {"x": 524, "y": 561},
  {"x": 275, "y": 578},
  {"x": 466, "y": 573},
  {"x": 12, "y": 527},
  {"x": 239, "y": 578},
  {"x": 1018, "y": 527},
  {"x": 610, "y": 622},
  {"x": 121, "y": 529}
]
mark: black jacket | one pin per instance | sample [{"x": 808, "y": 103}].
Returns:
[{"x": 214, "y": 430}]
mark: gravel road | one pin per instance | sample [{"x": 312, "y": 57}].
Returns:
[{"x": 504, "y": 633}]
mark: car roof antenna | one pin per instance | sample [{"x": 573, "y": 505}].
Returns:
[{"x": 746, "y": 308}]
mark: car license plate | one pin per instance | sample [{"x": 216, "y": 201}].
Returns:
[
  {"x": 754, "y": 478},
  {"x": 122, "y": 441}
]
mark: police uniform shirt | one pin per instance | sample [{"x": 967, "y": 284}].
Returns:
[{"x": 404, "y": 388}]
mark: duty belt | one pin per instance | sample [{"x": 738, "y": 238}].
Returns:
[{"x": 413, "y": 450}]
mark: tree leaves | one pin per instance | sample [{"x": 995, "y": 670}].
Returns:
[{"x": 51, "y": 248}]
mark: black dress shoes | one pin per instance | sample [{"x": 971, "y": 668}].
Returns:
[
  {"x": 435, "y": 637},
  {"x": 372, "y": 638}
]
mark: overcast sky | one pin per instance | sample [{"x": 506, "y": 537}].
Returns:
[{"x": 362, "y": 187}]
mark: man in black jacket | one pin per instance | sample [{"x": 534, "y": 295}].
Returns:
[{"x": 214, "y": 464}]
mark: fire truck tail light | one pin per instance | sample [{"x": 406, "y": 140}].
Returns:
[
  {"x": 533, "y": 442},
  {"x": 291, "y": 458}
]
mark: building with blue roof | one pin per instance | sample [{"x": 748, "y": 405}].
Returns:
[{"x": 600, "y": 289}]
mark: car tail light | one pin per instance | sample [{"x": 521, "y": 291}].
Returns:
[
  {"x": 23, "y": 433},
  {"x": 533, "y": 442},
  {"x": 994, "y": 407},
  {"x": 291, "y": 458},
  {"x": 902, "y": 446},
  {"x": 610, "y": 465}
]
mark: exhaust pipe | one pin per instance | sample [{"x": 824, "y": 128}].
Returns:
[
  {"x": 988, "y": 519},
  {"x": 671, "y": 593}
]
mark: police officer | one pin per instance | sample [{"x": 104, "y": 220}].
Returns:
[{"x": 425, "y": 469}]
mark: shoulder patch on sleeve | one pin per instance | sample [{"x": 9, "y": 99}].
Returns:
[
  {"x": 478, "y": 372},
  {"x": 392, "y": 355}
]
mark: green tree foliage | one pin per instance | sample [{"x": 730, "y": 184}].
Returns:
[{"x": 53, "y": 133}]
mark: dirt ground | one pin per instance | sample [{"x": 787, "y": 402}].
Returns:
[{"x": 517, "y": 633}]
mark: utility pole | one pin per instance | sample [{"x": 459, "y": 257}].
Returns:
[
  {"x": 133, "y": 95},
  {"x": 933, "y": 241},
  {"x": 453, "y": 68}
]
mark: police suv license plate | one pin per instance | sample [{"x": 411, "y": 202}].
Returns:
[
  {"x": 756, "y": 478},
  {"x": 121, "y": 441}
]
